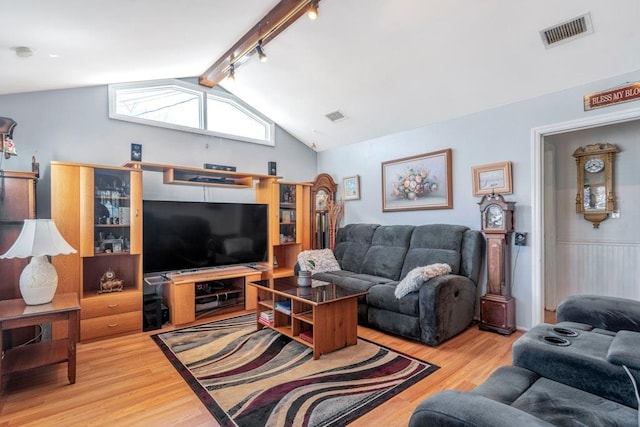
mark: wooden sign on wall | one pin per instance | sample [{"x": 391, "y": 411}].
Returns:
[{"x": 618, "y": 95}]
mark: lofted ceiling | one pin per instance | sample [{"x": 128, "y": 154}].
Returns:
[{"x": 387, "y": 65}]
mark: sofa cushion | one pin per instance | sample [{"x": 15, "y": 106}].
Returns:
[
  {"x": 382, "y": 296},
  {"x": 317, "y": 261},
  {"x": 558, "y": 403},
  {"x": 432, "y": 244},
  {"x": 345, "y": 279},
  {"x": 418, "y": 276},
  {"x": 352, "y": 243},
  {"x": 388, "y": 248}
]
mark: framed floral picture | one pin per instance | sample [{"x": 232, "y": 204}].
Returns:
[
  {"x": 418, "y": 182},
  {"x": 351, "y": 185},
  {"x": 492, "y": 178}
]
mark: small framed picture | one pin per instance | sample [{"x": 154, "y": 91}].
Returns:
[
  {"x": 492, "y": 178},
  {"x": 136, "y": 152},
  {"x": 117, "y": 247},
  {"x": 351, "y": 187}
]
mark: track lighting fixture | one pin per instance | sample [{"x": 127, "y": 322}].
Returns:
[
  {"x": 312, "y": 13},
  {"x": 261, "y": 54},
  {"x": 285, "y": 13}
]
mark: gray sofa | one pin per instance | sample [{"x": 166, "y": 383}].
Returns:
[
  {"x": 571, "y": 373},
  {"x": 376, "y": 257}
]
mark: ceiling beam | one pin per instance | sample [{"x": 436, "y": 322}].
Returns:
[{"x": 285, "y": 13}]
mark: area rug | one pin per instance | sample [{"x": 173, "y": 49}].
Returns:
[{"x": 247, "y": 377}]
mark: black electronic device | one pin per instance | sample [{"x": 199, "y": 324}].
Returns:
[
  {"x": 219, "y": 167},
  {"x": 189, "y": 236},
  {"x": 271, "y": 168}
]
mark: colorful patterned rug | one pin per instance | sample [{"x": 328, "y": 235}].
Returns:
[{"x": 253, "y": 378}]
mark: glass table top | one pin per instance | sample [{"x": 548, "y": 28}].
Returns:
[{"x": 319, "y": 292}]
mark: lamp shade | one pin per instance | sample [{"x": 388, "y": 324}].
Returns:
[{"x": 39, "y": 237}]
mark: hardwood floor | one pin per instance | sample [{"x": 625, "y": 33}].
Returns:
[{"x": 128, "y": 381}]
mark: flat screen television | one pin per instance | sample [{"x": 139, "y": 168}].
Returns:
[{"x": 190, "y": 236}]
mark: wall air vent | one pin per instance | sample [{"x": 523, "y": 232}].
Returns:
[
  {"x": 567, "y": 31},
  {"x": 335, "y": 116}
]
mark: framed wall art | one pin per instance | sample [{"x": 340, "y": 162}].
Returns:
[
  {"x": 492, "y": 178},
  {"x": 351, "y": 188},
  {"x": 418, "y": 182}
]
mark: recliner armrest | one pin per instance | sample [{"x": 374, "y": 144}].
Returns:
[
  {"x": 610, "y": 313},
  {"x": 625, "y": 349}
]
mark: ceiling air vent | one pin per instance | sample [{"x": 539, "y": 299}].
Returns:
[
  {"x": 335, "y": 116},
  {"x": 567, "y": 31}
]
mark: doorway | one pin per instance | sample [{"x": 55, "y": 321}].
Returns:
[{"x": 541, "y": 161}]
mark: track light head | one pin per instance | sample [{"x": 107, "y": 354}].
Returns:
[
  {"x": 312, "y": 13},
  {"x": 232, "y": 72},
  {"x": 263, "y": 56}
]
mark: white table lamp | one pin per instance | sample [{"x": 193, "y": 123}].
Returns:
[{"x": 38, "y": 239}]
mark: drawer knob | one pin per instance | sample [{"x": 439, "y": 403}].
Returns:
[
  {"x": 113, "y": 325},
  {"x": 113, "y": 305}
]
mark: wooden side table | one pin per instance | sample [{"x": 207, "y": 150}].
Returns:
[{"x": 15, "y": 313}]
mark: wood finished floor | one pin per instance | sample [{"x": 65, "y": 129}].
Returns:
[{"x": 128, "y": 381}]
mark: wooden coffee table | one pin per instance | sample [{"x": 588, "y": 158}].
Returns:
[{"x": 323, "y": 316}]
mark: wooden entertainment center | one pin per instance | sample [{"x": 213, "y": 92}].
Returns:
[
  {"x": 180, "y": 293},
  {"x": 78, "y": 194}
]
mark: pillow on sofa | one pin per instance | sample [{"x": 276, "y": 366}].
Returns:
[
  {"x": 318, "y": 261},
  {"x": 418, "y": 275}
]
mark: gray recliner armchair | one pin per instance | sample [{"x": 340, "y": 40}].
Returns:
[{"x": 581, "y": 371}]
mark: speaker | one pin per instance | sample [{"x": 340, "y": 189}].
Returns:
[{"x": 272, "y": 168}]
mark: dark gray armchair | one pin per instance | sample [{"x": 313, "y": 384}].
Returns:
[{"x": 581, "y": 371}]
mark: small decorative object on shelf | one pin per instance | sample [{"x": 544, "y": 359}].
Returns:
[
  {"x": 6, "y": 137},
  {"x": 304, "y": 278},
  {"x": 109, "y": 282}
]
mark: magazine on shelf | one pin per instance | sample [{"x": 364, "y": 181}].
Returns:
[
  {"x": 284, "y": 306},
  {"x": 267, "y": 316},
  {"x": 307, "y": 336}
]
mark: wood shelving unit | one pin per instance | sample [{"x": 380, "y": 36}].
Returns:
[
  {"x": 184, "y": 175},
  {"x": 289, "y": 222},
  {"x": 98, "y": 210}
]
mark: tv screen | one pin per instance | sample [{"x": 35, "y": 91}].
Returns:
[{"x": 184, "y": 236}]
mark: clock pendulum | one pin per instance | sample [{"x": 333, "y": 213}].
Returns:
[{"x": 497, "y": 306}]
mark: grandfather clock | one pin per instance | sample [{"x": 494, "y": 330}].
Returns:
[
  {"x": 497, "y": 307},
  {"x": 323, "y": 189}
]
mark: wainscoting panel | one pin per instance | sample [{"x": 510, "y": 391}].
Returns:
[{"x": 601, "y": 268}]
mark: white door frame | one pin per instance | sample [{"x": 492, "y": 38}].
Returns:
[{"x": 537, "y": 203}]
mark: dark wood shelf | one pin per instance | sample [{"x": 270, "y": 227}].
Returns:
[{"x": 35, "y": 355}]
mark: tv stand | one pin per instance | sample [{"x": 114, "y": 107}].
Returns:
[{"x": 180, "y": 293}]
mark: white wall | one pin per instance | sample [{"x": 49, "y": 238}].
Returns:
[
  {"x": 73, "y": 125},
  {"x": 500, "y": 134}
]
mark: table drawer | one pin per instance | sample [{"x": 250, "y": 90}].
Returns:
[
  {"x": 110, "y": 325},
  {"x": 110, "y": 304}
]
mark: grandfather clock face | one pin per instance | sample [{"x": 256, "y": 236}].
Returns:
[
  {"x": 494, "y": 218},
  {"x": 322, "y": 197}
]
